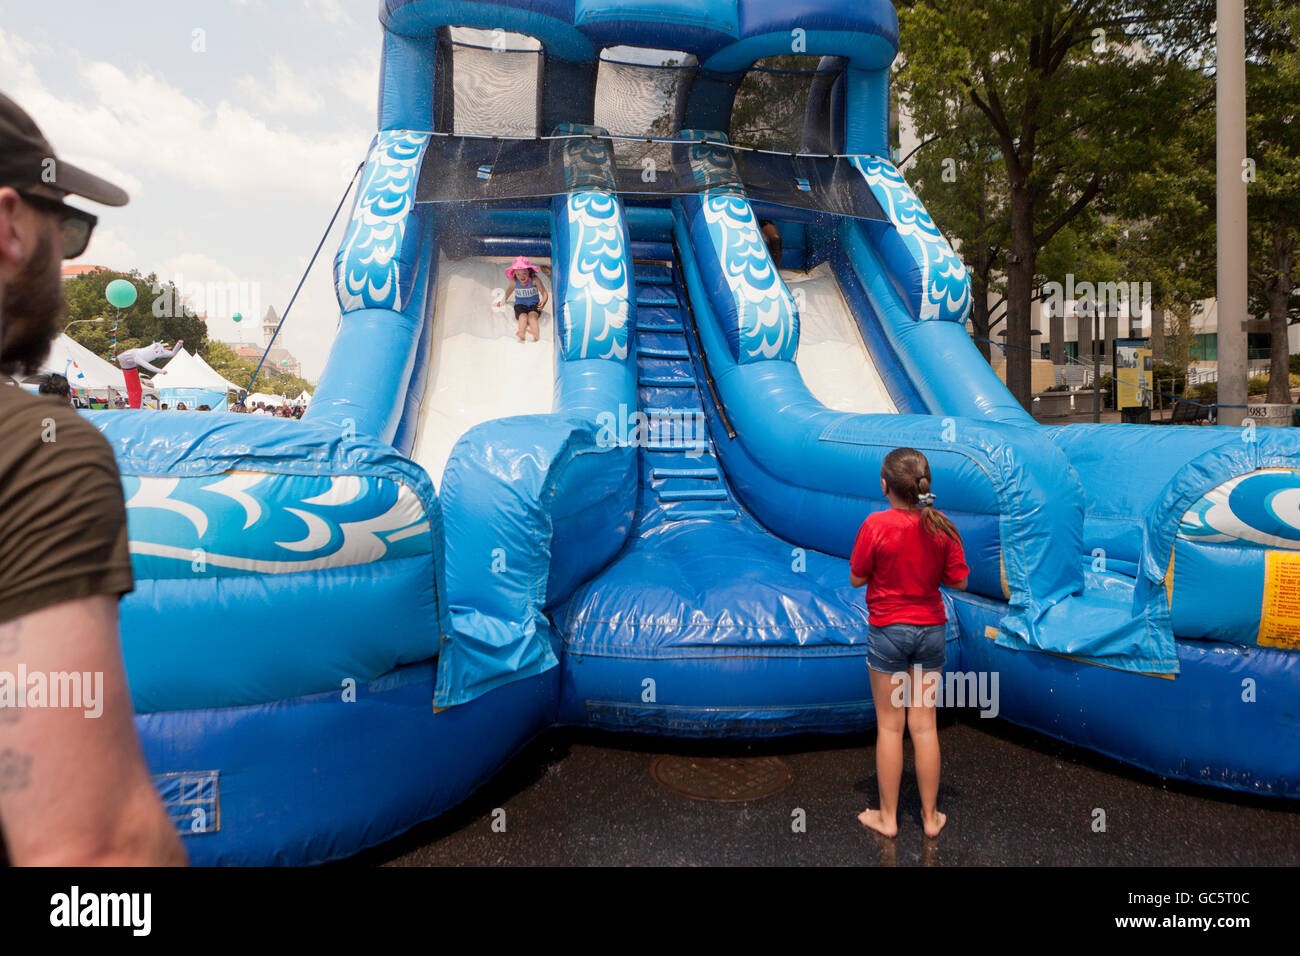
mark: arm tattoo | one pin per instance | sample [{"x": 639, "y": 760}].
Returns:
[
  {"x": 9, "y": 632},
  {"x": 15, "y": 771}
]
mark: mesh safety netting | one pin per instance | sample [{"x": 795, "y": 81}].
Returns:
[
  {"x": 771, "y": 102},
  {"x": 494, "y": 89},
  {"x": 467, "y": 169},
  {"x": 641, "y": 99}
]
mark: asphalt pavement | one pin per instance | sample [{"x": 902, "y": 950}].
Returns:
[{"x": 1013, "y": 797}]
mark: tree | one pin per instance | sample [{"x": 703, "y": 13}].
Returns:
[
  {"x": 768, "y": 112},
  {"x": 158, "y": 313},
  {"x": 290, "y": 386},
  {"x": 227, "y": 364},
  {"x": 1077, "y": 95},
  {"x": 956, "y": 176},
  {"x": 1168, "y": 236},
  {"x": 1273, "y": 143}
]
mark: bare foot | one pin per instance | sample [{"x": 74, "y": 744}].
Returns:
[
  {"x": 934, "y": 825},
  {"x": 872, "y": 820},
  {"x": 519, "y": 336}
]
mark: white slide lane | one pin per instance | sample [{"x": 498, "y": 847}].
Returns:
[
  {"x": 832, "y": 358},
  {"x": 478, "y": 370}
]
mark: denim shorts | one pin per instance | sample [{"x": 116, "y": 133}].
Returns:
[{"x": 900, "y": 647}]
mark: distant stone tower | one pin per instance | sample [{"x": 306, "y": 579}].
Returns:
[{"x": 269, "y": 322}]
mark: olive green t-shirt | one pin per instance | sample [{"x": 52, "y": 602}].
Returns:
[{"x": 62, "y": 518}]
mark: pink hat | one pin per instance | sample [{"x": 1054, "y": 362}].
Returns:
[{"x": 520, "y": 263}]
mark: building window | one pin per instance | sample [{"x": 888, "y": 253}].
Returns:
[{"x": 1205, "y": 347}]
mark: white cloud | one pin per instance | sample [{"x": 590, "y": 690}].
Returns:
[
  {"x": 225, "y": 149},
  {"x": 226, "y": 189},
  {"x": 198, "y": 267},
  {"x": 109, "y": 251},
  {"x": 141, "y": 123},
  {"x": 332, "y": 10},
  {"x": 17, "y": 71},
  {"x": 287, "y": 91},
  {"x": 358, "y": 80}
]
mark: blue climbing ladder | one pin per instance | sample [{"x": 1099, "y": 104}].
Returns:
[
  {"x": 680, "y": 477},
  {"x": 739, "y": 631}
]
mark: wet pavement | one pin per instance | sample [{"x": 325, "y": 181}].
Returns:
[{"x": 578, "y": 797}]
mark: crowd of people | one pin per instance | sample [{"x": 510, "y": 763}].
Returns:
[
  {"x": 58, "y": 386},
  {"x": 275, "y": 411}
]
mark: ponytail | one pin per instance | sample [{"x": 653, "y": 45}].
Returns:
[
  {"x": 907, "y": 474},
  {"x": 935, "y": 521}
]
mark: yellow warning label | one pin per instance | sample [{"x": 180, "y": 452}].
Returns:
[{"x": 1279, "y": 617}]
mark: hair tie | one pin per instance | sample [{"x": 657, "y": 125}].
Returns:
[{"x": 926, "y": 500}]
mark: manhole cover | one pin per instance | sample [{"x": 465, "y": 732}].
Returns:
[{"x": 722, "y": 778}]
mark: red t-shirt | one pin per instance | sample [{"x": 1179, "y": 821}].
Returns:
[{"x": 904, "y": 564}]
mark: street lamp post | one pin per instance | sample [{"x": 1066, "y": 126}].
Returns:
[
  {"x": 1230, "y": 121},
  {"x": 1096, "y": 364},
  {"x": 75, "y": 321}
]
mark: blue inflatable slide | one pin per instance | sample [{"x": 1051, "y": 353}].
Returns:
[{"x": 641, "y": 522}]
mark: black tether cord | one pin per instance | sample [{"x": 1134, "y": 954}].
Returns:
[{"x": 306, "y": 272}]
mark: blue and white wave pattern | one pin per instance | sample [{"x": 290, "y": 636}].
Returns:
[
  {"x": 1260, "y": 509},
  {"x": 368, "y": 272},
  {"x": 596, "y": 304},
  {"x": 944, "y": 289},
  {"x": 712, "y": 166},
  {"x": 243, "y": 522},
  {"x": 587, "y": 161},
  {"x": 767, "y": 321}
]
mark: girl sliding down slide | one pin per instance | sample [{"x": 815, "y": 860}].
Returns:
[
  {"x": 530, "y": 296},
  {"x": 132, "y": 360}
]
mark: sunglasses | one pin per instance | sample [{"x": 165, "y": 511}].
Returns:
[{"x": 75, "y": 225}]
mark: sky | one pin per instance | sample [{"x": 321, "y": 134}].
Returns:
[{"x": 235, "y": 125}]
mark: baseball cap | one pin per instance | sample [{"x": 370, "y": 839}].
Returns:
[{"x": 27, "y": 159}]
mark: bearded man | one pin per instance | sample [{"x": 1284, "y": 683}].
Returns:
[{"x": 74, "y": 786}]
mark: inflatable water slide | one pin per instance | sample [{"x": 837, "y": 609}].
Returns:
[{"x": 342, "y": 626}]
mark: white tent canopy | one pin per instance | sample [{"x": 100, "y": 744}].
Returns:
[
  {"x": 185, "y": 370},
  {"x": 304, "y": 398},
  {"x": 265, "y": 399},
  {"x": 199, "y": 358},
  {"x": 81, "y": 367}
]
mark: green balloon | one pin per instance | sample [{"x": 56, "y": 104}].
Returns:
[
  {"x": 120, "y": 294},
  {"x": 237, "y": 317}
]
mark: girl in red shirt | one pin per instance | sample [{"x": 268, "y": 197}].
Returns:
[{"x": 902, "y": 555}]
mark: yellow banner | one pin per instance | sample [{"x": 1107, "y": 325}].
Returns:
[
  {"x": 1132, "y": 377},
  {"x": 1279, "y": 617}
]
